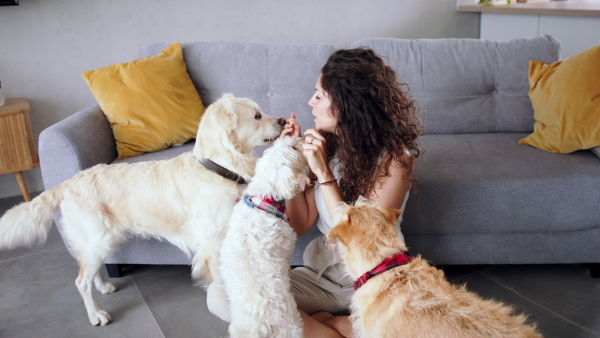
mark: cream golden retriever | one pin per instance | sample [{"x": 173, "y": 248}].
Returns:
[
  {"x": 179, "y": 199},
  {"x": 400, "y": 296}
]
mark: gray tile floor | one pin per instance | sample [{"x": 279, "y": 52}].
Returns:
[{"x": 38, "y": 297}]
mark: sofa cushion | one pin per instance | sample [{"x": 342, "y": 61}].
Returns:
[
  {"x": 279, "y": 77},
  {"x": 468, "y": 85},
  {"x": 159, "y": 155},
  {"x": 545, "y": 247},
  {"x": 566, "y": 102},
  {"x": 488, "y": 183},
  {"x": 151, "y": 102}
]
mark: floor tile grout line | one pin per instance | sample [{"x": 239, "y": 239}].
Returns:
[
  {"x": 147, "y": 306},
  {"x": 458, "y": 280},
  {"x": 32, "y": 254},
  {"x": 540, "y": 305}
]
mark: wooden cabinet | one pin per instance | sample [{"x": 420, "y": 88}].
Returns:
[{"x": 17, "y": 151}]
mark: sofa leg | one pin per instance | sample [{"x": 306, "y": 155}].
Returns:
[
  {"x": 114, "y": 270},
  {"x": 594, "y": 270}
]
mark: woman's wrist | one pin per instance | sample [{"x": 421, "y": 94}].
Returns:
[
  {"x": 325, "y": 177},
  {"x": 327, "y": 183}
]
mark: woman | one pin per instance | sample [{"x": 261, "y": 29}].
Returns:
[{"x": 363, "y": 143}]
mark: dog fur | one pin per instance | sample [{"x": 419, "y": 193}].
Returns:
[
  {"x": 412, "y": 300},
  {"x": 177, "y": 199},
  {"x": 258, "y": 246}
]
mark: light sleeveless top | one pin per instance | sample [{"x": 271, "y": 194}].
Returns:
[
  {"x": 320, "y": 254},
  {"x": 324, "y": 220}
]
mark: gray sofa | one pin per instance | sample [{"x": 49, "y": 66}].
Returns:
[{"x": 480, "y": 198}]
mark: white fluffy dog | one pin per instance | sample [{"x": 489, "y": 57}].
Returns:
[
  {"x": 186, "y": 200},
  {"x": 258, "y": 246}
]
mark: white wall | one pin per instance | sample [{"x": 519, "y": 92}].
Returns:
[
  {"x": 575, "y": 33},
  {"x": 46, "y": 44}
]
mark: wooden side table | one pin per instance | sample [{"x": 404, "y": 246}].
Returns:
[{"x": 17, "y": 151}]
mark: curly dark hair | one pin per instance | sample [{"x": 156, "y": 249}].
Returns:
[{"x": 373, "y": 115}]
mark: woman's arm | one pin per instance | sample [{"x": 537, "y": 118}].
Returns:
[
  {"x": 302, "y": 209},
  {"x": 390, "y": 194},
  {"x": 314, "y": 150}
]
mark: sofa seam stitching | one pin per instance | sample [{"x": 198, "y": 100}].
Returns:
[
  {"x": 495, "y": 91},
  {"x": 422, "y": 70},
  {"x": 269, "y": 80}
]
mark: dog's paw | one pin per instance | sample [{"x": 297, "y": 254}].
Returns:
[
  {"x": 107, "y": 287},
  {"x": 100, "y": 317}
]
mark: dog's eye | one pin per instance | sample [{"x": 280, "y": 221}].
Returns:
[{"x": 257, "y": 116}]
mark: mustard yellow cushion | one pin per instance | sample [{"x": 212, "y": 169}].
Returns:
[
  {"x": 150, "y": 103},
  {"x": 566, "y": 103}
]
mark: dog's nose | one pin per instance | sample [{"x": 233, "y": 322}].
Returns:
[{"x": 281, "y": 121}]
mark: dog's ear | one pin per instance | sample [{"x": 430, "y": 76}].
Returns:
[
  {"x": 302, "y": 180},
  {"x": 227, "y": 97},
  {"x": 340, "y": 212},
  {"x": 391, "y": 215},
  {"x": 333, "y": 235},
  {"x": 229, "y": 117},
  {"x": 340, "y": 231},
  {"x": 228, "y": 108}
]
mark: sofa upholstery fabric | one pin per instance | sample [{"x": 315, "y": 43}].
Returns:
[{"x": 468, "y": 85}]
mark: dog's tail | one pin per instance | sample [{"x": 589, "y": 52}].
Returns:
[{"x": 29, "y": 223}]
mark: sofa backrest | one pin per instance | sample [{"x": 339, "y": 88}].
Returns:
[
  {"x": 468, "y": 85},
  {"x": 279, "y": 77}
]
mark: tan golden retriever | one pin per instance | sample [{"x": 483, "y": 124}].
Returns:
[
  {"x": 412, "y": 299},
  {"x": 178, "y": 199}
]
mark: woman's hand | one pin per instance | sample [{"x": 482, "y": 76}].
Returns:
[
  {"x": 291, "y": 128},
  {"x": 314, "y": 150}
]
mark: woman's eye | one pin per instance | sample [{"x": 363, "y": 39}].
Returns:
[
  {"x": 318, "y": 98},
  {"x": 257, "y": 116}
]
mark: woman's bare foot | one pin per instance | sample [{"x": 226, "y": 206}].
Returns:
[
  {"x": 322, "y": 316},
  {"x": 314, "y": 328},
  {"x": 339, "y": 323}
]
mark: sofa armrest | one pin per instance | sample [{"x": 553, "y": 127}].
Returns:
[{"x": 76, "y": 143}]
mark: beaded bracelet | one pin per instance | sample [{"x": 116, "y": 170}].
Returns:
[{"x": 328, "y": 183}]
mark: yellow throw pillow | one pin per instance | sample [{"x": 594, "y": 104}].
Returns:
[
  {"x": 150, "y": 103},
  {"x": 566, "y": 103}
]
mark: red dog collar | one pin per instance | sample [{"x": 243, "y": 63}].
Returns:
[{"x": 388, "y": 263}]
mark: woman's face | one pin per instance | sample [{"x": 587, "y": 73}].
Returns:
[{"x": 321, "y": 109}]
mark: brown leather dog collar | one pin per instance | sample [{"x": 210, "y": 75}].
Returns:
[{"x": 222, "y": 171}]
